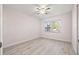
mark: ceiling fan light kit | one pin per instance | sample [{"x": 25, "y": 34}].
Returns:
[{"x": 42, "y": 9}]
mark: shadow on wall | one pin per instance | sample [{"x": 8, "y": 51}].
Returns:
[{"x": 0, "y": 44}]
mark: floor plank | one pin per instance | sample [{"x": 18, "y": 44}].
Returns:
[{"x": 40, "y": 46}]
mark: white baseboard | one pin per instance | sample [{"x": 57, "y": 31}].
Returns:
[
  {"x": 57, "y": 39},
  {"x": 8, "y": 45},
  {"x": 18, "y": 42}
]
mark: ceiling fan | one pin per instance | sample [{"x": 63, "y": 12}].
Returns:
[{"x": 42, "y": 9}]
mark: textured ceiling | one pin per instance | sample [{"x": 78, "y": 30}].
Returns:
[{"x": 29, "y": 9}]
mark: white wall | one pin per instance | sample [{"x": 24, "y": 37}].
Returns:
[
  {"x": 0, "y": 23},
  {"x": 78, "y": 22},
  {"x": 65, "y": 34},
  {"x": 74, "y": 28},
  {"x": 78, "y": 29},
  {"x": 0, "y": 27},
  {"x": 19, "y": 27}
]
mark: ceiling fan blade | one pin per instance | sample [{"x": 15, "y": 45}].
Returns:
[{"x": 47, "y": 8}]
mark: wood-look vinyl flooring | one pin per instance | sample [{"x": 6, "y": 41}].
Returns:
[{"x": 40, "y": 46}]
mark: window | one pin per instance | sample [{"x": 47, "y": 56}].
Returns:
[{"x": 52, "y": 26}]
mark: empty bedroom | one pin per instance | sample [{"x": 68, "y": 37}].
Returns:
[{"x": 39, "y": 29}]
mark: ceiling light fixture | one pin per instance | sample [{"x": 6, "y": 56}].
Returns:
[{"x": 42, "y": 9}]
